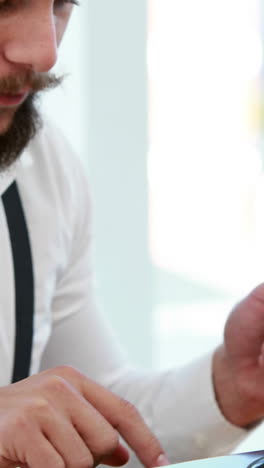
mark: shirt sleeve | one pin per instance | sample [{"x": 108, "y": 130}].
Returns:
[{"x": 179, "y": 405}]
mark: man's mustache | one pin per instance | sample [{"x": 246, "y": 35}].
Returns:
[{"x": 35, "y": 82}]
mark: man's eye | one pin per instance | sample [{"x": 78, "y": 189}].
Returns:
[{"x": 61, "y": 3}]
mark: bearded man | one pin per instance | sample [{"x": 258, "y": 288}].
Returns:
[{"x": 66, "y": 393}]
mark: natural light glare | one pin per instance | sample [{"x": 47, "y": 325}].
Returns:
[{"x": 205, "y": 170}]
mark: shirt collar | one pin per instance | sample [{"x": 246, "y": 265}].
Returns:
[{"x": 8, "y": 176}]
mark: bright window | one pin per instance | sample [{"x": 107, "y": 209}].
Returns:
[{"x": 205, "y": 168}]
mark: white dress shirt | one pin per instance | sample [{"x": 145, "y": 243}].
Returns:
[{"x": 179, "y": 405}]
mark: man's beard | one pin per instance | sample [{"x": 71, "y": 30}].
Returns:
[
  {"x": 26, "y": 121},
  {"x": 23, "y": 128}
]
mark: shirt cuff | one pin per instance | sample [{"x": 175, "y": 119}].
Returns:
[{"x": 193, "y": 414}]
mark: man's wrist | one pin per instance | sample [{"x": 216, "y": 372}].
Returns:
[{"x": 235, "y": 407}]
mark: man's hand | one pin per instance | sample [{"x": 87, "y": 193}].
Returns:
[
  {"x": 59, "y": 418},
  {"x": 238, "y": 366}
]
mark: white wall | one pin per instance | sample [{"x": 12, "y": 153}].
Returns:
[{"x": 102, "y": 107}]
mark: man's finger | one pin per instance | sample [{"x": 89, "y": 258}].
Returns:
[
  {"x": 120, "y": 414},
  {"x": 126, "y": 420},
  {"x": 118, "y": 458}
]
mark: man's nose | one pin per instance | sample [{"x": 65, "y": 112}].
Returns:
[{"x": 34, "y": 44}]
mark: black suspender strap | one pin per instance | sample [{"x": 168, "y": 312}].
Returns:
[{"x": 24, "y": 283}]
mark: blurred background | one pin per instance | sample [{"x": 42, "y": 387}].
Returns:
[{"x": 164, "y": 104}]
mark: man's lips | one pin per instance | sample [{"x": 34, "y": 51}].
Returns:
[{"x": 13, "y": 100}]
